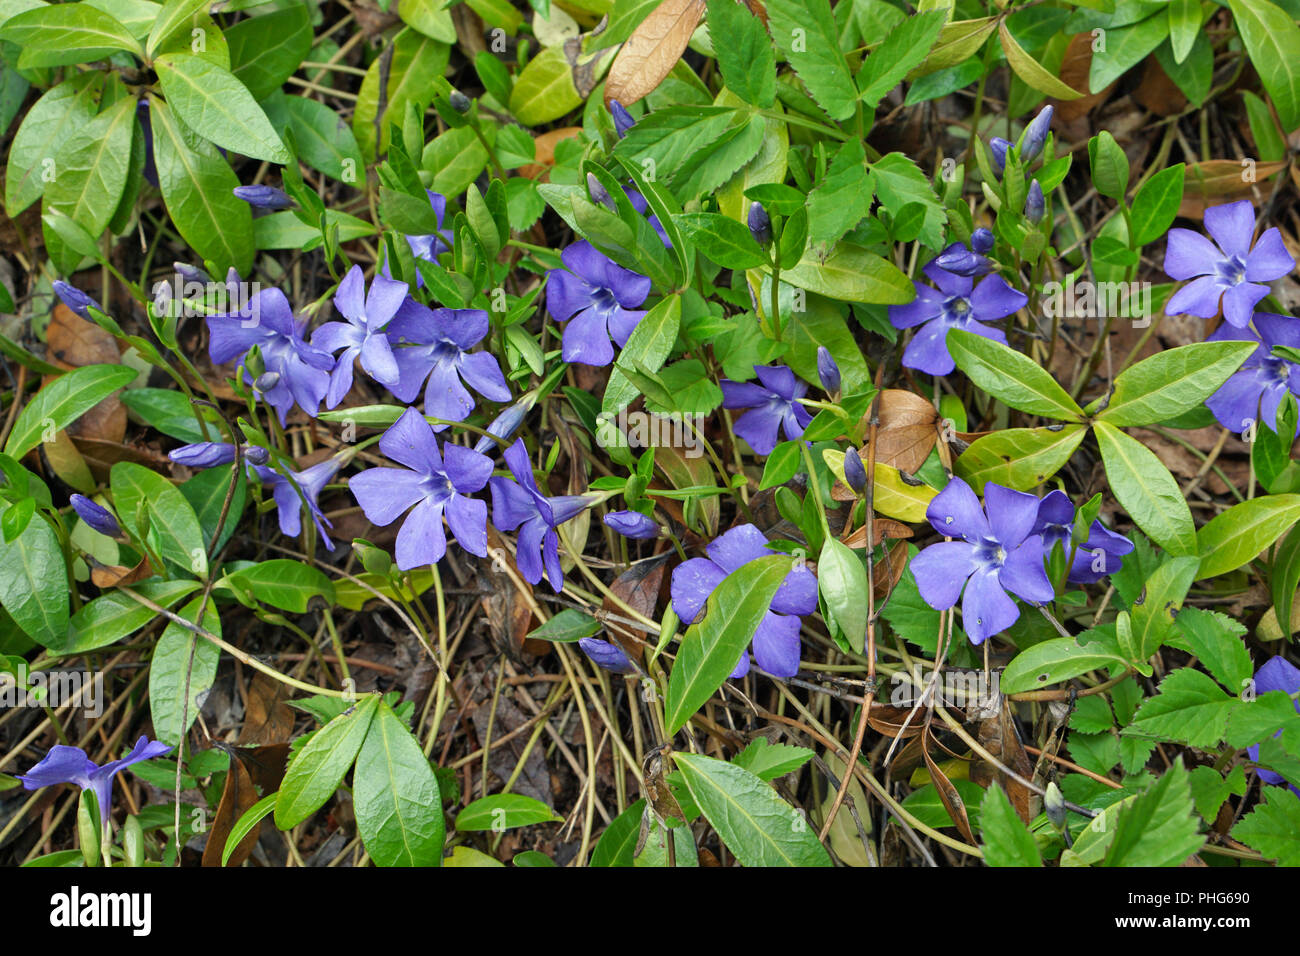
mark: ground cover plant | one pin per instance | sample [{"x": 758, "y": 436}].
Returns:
[{"x": 649, "y": 432}]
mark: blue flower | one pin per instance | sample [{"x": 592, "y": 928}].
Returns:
[
  {"x": 520, "y": 504},
  {"x": 97, "y": 517},
  {"x": 64, "y": 764},
  {"x": 436, "y": 349},
  {"x": 632, "y": 524},
  {"x": 774, "y": 405},
  {"x": 597, "y": 298},
  {"x": 1100, "y": 555},
  {"x": 364, "y": 333}
]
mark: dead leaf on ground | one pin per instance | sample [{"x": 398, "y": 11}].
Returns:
[
  {"x": 268, "y": 719},
  {"x": 544, "y": 152},
  {"x": 906, "y": 430},
  {"x": 999, "y": 737},
  {"x": 72, "y": 343},
  {"x": 1218, "y": 181},
  {"x": 652, "y": 50},
  {"x": 639, "y": 587},
  {"x": 948, "y": 794},
  {"x": 249, "y": 769},
  {"x": 1074, "y": 74}
]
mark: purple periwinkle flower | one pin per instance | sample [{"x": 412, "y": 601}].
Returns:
[
  {"x": 623, "y": 120},
  {"x": 1229, "y": 267},
  {"x": 957, "y": 303},
  {"x": 598, "y": 193},
  {"x": 606, "y": 654},
  {"x": 854, "y": 471},
  {"x": 828, "y": 371},
  {"x": 632, "y": 524},
  {"x": 519, "y": 504},
  {"x": 596, "y": 297},
  {"x": 291, "y": 491},
  {"x": 267, "y": 321},
  {"x": 1100, "y": 555},
  {"x": 776, "y": 642},
  {"x": 1276, "y": 674},
  {"x": 760, "y": 223},
  {"x": 774, "y": 406},
  {"x": 75, "y": 299},
  {"x": 264, "y": 197},
  {"x": 1036, "y": 134},
  {"x": 982, "y": 241},
  {"x": 203, "y": 454},
  {"x": 96, "y": 516},
  {"x": 963, "y": 261},
  {"x": 64, "y": 764},
  {"x": 433, "y": 485},
  {"x": 1035, "y": 203},
  {"x": 440, "y": 355},
  {"x": 992, "y": 555},
  {"x": 998, "y": 151},
  {"x": 1255, "y": 391},
  {"x": 364, "y": 333}
]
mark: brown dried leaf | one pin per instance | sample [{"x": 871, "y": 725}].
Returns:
[
  {"x": 999, "y": 737},
  {"x": 906, "y": 430},
  {"x": 1218, "y": 181},
  {"x": 639, "y": 587},
  {"x": 890, "y": 721},
  {"x": 107, "y": 576},
  {"x": 652, "y": 50},
  {"x": 888, "y": 570},
  {"x": 881, "y": 528},
  {"x": 73, "y": 342},
  {"x": 1074, "y": 74},
  {"x": 268, "y": 719},
  {"x": 261, "y": 767},
  {"x": 948, "y": 794}
]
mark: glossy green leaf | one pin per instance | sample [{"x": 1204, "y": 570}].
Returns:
[
  {"x": 173, "y": 528},
  {"x": 1011, "y": 377},
  {"x": 34, "y": 581},
  {"x": 1173, "y": 381},
  {"x": 504, "y": 811},
  {"x": 62, "y": 402},
  {"x": 1018, "y": 458},
  {"x": 284, "y": 583},
  {"x": 170, "y": 671},
  {"x": 396, "y": 796},
  {"x": 1236, "y": 536},
  {"x": 1007, "y": 841},
  {"x": 1147, "y": 490},
  {"x": 216, "y": 105},
  {"x": 316, "y": 771}
]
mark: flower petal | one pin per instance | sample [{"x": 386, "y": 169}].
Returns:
[
  {"x": 385, "y": 493},
  {"x": 692, "y": 583},
  {"x": 955, "y": 512},
  {"x": 422, "y": 540},
  {"x": 1269, "y": 259},
  {"x": 776, "y": 645},
  {"x": 1189, "y": 254},
  {"x": 986, "y": 609},
  {"x": 1231, "y": 226},
  {"x": 941, "y": 570},
  {"x": 1011, "y": 514},
  {"x": 467, "y": 518},
  {"x": 1200, "y": 297}
]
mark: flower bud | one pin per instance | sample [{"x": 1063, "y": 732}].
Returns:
[
  {"x": 1036, "y": 134},
  {"x": 998, "y": 148},
  {"x": 854, "y": 473},
  {"x": 97, "y": 517},
  {"x": 599, "y": 194},
  {"x": 632, "y": 524},
  {"x": 75, "y": 299},
  {"x": 1054, "y": 805},
  {"x": 1035, "y": 204},
  {"x": 504, "y": 425},
  {"x": 760, "y": 224},
  {"x": 204, "y": 454},
  {"x": 191, "y": 273},
  {"x": 266, "y": 381},
  {"x": 961, "y": 261},
  {"x": 256, "y": 455},
  {"x": 264, "y": 197},
  {"x": 828, "y": 371},
  {"x": 623, "y": 120},
  {"x": 606, "y": 655},
  {"x": 981, "y": 240},
  {"x": 459, "y": 101}
]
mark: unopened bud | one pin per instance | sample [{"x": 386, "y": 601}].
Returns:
[
  {"x": 1035, "y": 204},
  {"x": 760, "y": 224},
  {"x": 459, "y": 101},
  {"x": 828, "y": 371},
  {"x": 854, "y": 473}
]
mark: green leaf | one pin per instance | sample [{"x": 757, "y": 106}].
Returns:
[
  {"x": 316, "y": 771},
  {"x": 692, "y": 149},
  {"x": 66, "y": 33},
  {"x": 1146, "y": 490},
  {"x": 217, "y": 106},
  {"x": 712, "y": 647},
  {"x": 266, "y": 50},
  {"x": 34, "y": 581},
  {"x": 851, "y": 273},
  {"x": 842, "y": 197},
  {"x": 842, "y": 582},
  {"x": 323, "y": 141},
  {"x": 92, "y": 168},
  {"x": 1216, "y": 640},
  {"x": 396, "y": 795},
  {"x": 1153, "y": 618},
  {"x": 722, "y": 239},
  {"x": 1273, "y": 827},
  {"x": 206, "y": 492},
  {"x": 902, "y": 51},
  {"x": 1263, "y": 128},
  {"x": 900, "y": 183},
  {"x": 1234, "y": 537},
  {"x": 1126, "y": 47},
  {"x": 1110, "y": 170},
  {"x": 1271, "y": 37},
  {"x": 1056, "y": 660},
  {"x": 62, "y": 402},
  {"x": 1159, "y": 827},
  {"x": 1156, "y": 204},
  {"x": 755, "y": 824},
  {"x": 1010, "y": 377},
  {"x": 1284, "y": 577},
  {"x": 113, "y": 616},
  {"x": 1184, "y": 26},
  {"x": 1260, "y": 718},
  {"x": 1210, "y": 790},
  {"x": 504, "y": 811},
  {"x": 767, "y": 761},
  {"x": 1031, "y": 71},
  {"x": 170, "y": 671},
  {"x": 1007, "y": 841},
  {"x": 648, "y": 347},
  {"x": 174, "y": 17},
  {"x": 51, "y": 122},
  {"x": 244, "y": 825},
  {"x": 196, "y": 184},
  {"x": 805, "y": 32},
  {"x": 431, "y": 18},
  {"x": 284, "y": 583},
  {"x": 1173, "y": 381},
  {"x": 544, "y": 90},
  {"x": 617, "y": 844},
  {"x": 169, "y": 411},
  {"x": 1190, "y": 708},
  {"x": 567, "y": 626},
  {"x": 744, "y": 52},
  {"x": 173, "y": 528},
  {"x": 1018, "y": 458}
]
